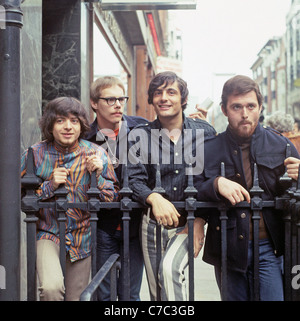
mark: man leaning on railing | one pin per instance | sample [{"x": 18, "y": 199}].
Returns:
[
  {"x": 168, "y": 143},
  {"x": 242, "y": 147},
  {"x": 65, "y": 158}
]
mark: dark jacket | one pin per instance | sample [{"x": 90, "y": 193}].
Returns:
[
  {"x": 268, "y": 151},
  {"x": 153, "y": 141},
  {"x": 108, "y": 220}
]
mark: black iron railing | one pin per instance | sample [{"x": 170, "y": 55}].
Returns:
[
  {"x": 289, "y": 203},
  {"x": 112, "y": 266}
]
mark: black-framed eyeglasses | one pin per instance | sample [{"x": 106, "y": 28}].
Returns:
[{"x": 112, "y": 100}]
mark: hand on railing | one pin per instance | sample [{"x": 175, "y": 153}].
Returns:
[
  {"x": 60, "y": 175},
  {"x": 292, "y": 167},
  {"x": 163, "y": 210},
  {"x": 233, "y": 191},
  {"x": 199, "y": 234},
  {"x": 94, "y": 163}
]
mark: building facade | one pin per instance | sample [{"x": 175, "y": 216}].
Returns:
[
  {"x": 269, "y": 71},
  {"x": 52, "y": 48},
  {"x": 66, "y": 44},
  {"x": 277, "y": 68},
  {"x": 293, "y": 58}
]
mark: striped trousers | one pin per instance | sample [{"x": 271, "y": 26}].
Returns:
[{"x": 169, "y": 272}]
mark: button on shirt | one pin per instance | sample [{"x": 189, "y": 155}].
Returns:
[{"x": 172, "y": 160}]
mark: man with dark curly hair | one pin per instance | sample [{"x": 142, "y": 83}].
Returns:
[{"x": 65, "y": 158}]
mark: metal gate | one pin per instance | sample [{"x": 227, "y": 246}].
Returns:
[{"x": 289, "y": 203}]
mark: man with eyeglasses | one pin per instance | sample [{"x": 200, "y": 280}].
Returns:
[{"x": 107, "y": 97}]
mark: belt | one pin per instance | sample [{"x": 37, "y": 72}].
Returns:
[{"x": 182, "y": 220}]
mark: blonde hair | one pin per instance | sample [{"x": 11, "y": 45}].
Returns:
[{"x": 101, "y": 83}]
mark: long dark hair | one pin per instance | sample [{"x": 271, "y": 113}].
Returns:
[
  {"x": 168, "y": 78},
  {"x": 63, "y": 106}
]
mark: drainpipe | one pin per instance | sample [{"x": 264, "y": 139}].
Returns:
[{"x": 10, "y": 123}]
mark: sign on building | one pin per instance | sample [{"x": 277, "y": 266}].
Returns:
[{"x": 169, "y": 64}]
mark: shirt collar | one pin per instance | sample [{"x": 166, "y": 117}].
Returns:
[
  {"x": 66, "y": 150},
  {"x": 159, "y": 126}
]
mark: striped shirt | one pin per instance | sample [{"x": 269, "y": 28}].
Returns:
[{"x": 47, "y": 157}]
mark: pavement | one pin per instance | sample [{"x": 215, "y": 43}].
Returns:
[{"x": 206, "y": 288}]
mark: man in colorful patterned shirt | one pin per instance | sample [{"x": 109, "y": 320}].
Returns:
[{"x": 65, "y": 158}]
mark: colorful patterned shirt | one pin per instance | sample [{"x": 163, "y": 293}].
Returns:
[{"x": 47, "y": 157}]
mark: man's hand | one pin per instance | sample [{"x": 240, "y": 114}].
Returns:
[
  {"x": 60, "y": 175},
  {"x": 200, "y": 114},
  {"x": 292, "y": 167},
  {"x": 163, "y": 210},
  {"x": 198, "y": 234},
  {"x": 94, "y": 163},
  {"x": 233, "y": 191}
]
